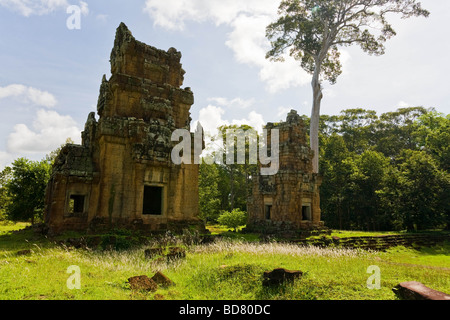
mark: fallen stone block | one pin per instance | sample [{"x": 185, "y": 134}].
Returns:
[
  {"x": 414, "y": 290},
  {"x": 152, "y": 252},
  {"x": 161, "y": 279},
  {"x": 23, "y": 252},
  {"x": 176, "y": 253},
  {"x": 142, "y": 283},
  {"x": 280, "y": 276}
]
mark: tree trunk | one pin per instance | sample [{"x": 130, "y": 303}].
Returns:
[
  {"x": 315, "y": 118},
  {"x": 231, "y": 188}
]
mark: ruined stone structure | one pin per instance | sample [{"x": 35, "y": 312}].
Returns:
[
  {"x": 122, "y": 174},
  {"x": 288, "y": 200}
]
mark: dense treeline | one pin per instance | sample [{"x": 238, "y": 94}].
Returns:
[
  {"x": 388, "y": 172},
  {"x": 385, "y": 173}
]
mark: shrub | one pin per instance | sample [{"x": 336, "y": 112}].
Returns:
[{"x": 233, "y": 219}]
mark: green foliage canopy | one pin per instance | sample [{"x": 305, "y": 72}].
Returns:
[
  {"x": 385, "y": 173},
  {"x": 312, "y": 30},
  {"x": 233, "y": 219},
  {"x": 26, "y": 189}
]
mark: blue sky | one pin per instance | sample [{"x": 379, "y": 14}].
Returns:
[{"x": 50, "y": 75}]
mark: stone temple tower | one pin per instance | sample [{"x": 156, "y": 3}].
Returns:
[
  {"x": 288, "y": 200},
  {"x": 122, "y": 174}
]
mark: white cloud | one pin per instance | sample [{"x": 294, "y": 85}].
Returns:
[
  {"x": 329, "y": 92},
  {"x": 249, "y": 44},
  {"x": 28, "y": 95},
  {"x": 247, "y": 39},
  {"x": 5, "y": 159},
  {"x": 172, "y": 14},
  {"x": 48, "y": 132},
  {"x": 102, "y": 17},
  {"x": 211, "y": 117},
  {"x": 254, "y": 120},
  {"x": 283, "y": 75},
  {"x": 234, "y": 103},
  {"x": 84, "y": 8},
  {"x": 283, "y": 111},
  {"x": 34, "y": 7},
  {"x": 403, "y": 104}
]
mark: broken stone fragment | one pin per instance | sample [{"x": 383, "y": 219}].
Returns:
[
  {"x": 23, "y": 252},
  {"x": 279, "y": 276},
  {"x": 176, "y": 253},
  {"x": 142, "y": 283},
  {"x": 414, "y": 290},
  {"x": 162, "y": 280},
  {"x": 152, "y": 252}
]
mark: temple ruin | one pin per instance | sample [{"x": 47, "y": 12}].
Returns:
[
  {"x": 122, "y": 176},
  {"x": 289, "y": 200}
]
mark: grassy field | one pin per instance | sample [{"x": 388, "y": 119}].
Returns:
[{"x": 226, "y": 269}]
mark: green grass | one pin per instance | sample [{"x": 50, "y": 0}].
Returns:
[
  {"x": 438, "y": 256},
  {"x": 348, "y": 234},
  {"x": 216, "y": 229},
  {"x": 227, "y": 269},
  {"x": 7, "y": 226}
]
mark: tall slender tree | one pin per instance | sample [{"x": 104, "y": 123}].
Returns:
[{"x": 313, "y": 30}]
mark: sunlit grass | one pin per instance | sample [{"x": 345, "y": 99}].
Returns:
[
  {"x": 348, "y": 234},
  {"x": 7, "y": 226},
  {"x": 230, "y": 268}
]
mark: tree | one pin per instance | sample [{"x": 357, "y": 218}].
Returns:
[
  {"x": 356, "y": 128},
  {"x": 26, "y": 189},
  {"x": 233, "y": 219},
  {"x": 433, "y": 136},
  {"x": 239, "y": 174},
  {"x": 366, "y": 180},
  {"x": 389, "y": 173},
  {"x": 424, "y": 191},
  {"x": 337, "y": 166},
  {"x": 313, "y": 30},
  {"x": 416, "y": 192},
  {"x": 208, "y": 190},
  {"x": 5, "y": 177},
  {"x": 396, "y": 131}
]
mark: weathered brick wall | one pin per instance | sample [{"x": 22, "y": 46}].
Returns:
[
  {"x": 292, "y": 188},
  {"x": 129, "y": 147}
]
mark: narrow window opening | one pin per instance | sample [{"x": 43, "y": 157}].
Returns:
[
  {"x": 268, "y": 212},
  {"x": 152, "y": 200},
  {"x": 76, "y": 204},
  {"x": 306, "y": 213}
]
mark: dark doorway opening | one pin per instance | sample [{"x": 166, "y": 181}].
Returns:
[
  {"x": 152, "y": 200},
  {"x": 306, "y": 213},
  {"x": 268, "y": 212},
  {"x": 76, "y": 204}
]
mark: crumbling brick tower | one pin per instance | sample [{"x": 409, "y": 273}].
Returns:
[
  {"x": 122, "y": 175},
  {"x": 288, "y": 200}
]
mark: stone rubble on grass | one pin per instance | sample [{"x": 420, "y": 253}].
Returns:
[
  {"x": 144, "y": 283},
  {"x": 413, "y": 290},
  {"x": 280, "y": 275}
]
